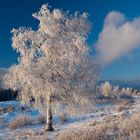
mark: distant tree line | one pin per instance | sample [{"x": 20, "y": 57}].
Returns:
[
  {"x": 108, "y": 91},
  {"x": 7, "y": 94}
]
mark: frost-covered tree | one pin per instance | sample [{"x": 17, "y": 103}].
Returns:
[
  {"x": 127, "y": 91},
  {"x": 54, "y": 63},
  {"x": 116, "y": 90},
  {"x": 106, "y": 89}
]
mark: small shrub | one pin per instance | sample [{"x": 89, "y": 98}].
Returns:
[
  {"x": 120, "y": 108},
  {"x": 41, "y": 119},
  {"x": 138, "y": 94},
  {"x": 6, "y": 109},
  {"x": 63, "y": 117},
  {"x": 20, "y": 121},
  {"x": 1, "y": 109},
  {"x": 10, "y": 108}
]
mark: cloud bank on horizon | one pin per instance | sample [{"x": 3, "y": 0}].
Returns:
[{"x": 118, "y": 38}]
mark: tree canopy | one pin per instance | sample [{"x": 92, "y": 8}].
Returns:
[{"x": 54, "y": 60}]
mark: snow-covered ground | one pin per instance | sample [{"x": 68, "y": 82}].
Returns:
[{"x": 101, "y": 110}]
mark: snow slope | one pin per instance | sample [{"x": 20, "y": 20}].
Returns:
[{"x": 99, "y": 113}]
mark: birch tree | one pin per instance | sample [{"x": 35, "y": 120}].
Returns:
[{"x": 54, "y": 62}]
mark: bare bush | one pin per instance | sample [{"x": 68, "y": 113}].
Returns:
[
  {"x": 20, "y": 121},
  {"x": 6, "y": 109},
  {"x": 120, "y": 108},
  {"x": 1, "y": 109},
  {"x": 42, "y": 119},
  {"x": 10, "y": 108},
  {"x": 138, "y": 94},
  {"x": 63, "y": 117}
]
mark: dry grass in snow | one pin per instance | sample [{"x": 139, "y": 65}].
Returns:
[
  {"x": 42, "y": 119},
  {"x": 63, "y": 117},
  {"x": 112, "y": 128},
  {"x": 20, "y": 121}
]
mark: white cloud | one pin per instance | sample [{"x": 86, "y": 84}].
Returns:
[{"x": 118, "y": 37}]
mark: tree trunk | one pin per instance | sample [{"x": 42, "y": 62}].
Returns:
[{"x": 49, "y": 115}]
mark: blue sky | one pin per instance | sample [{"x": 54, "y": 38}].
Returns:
[{"x": 16, "y": 13}]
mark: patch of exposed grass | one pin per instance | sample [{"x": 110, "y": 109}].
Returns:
[
  {"x": 20, "y": 121},
  {"x": 6, "y": 109},
  {"x": 63, "y": 117},
  {"x": 112, "y": 128},
  {"x": 42, "y": 119}
]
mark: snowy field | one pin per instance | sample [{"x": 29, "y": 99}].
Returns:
[{"x": 11, "y": 109}]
